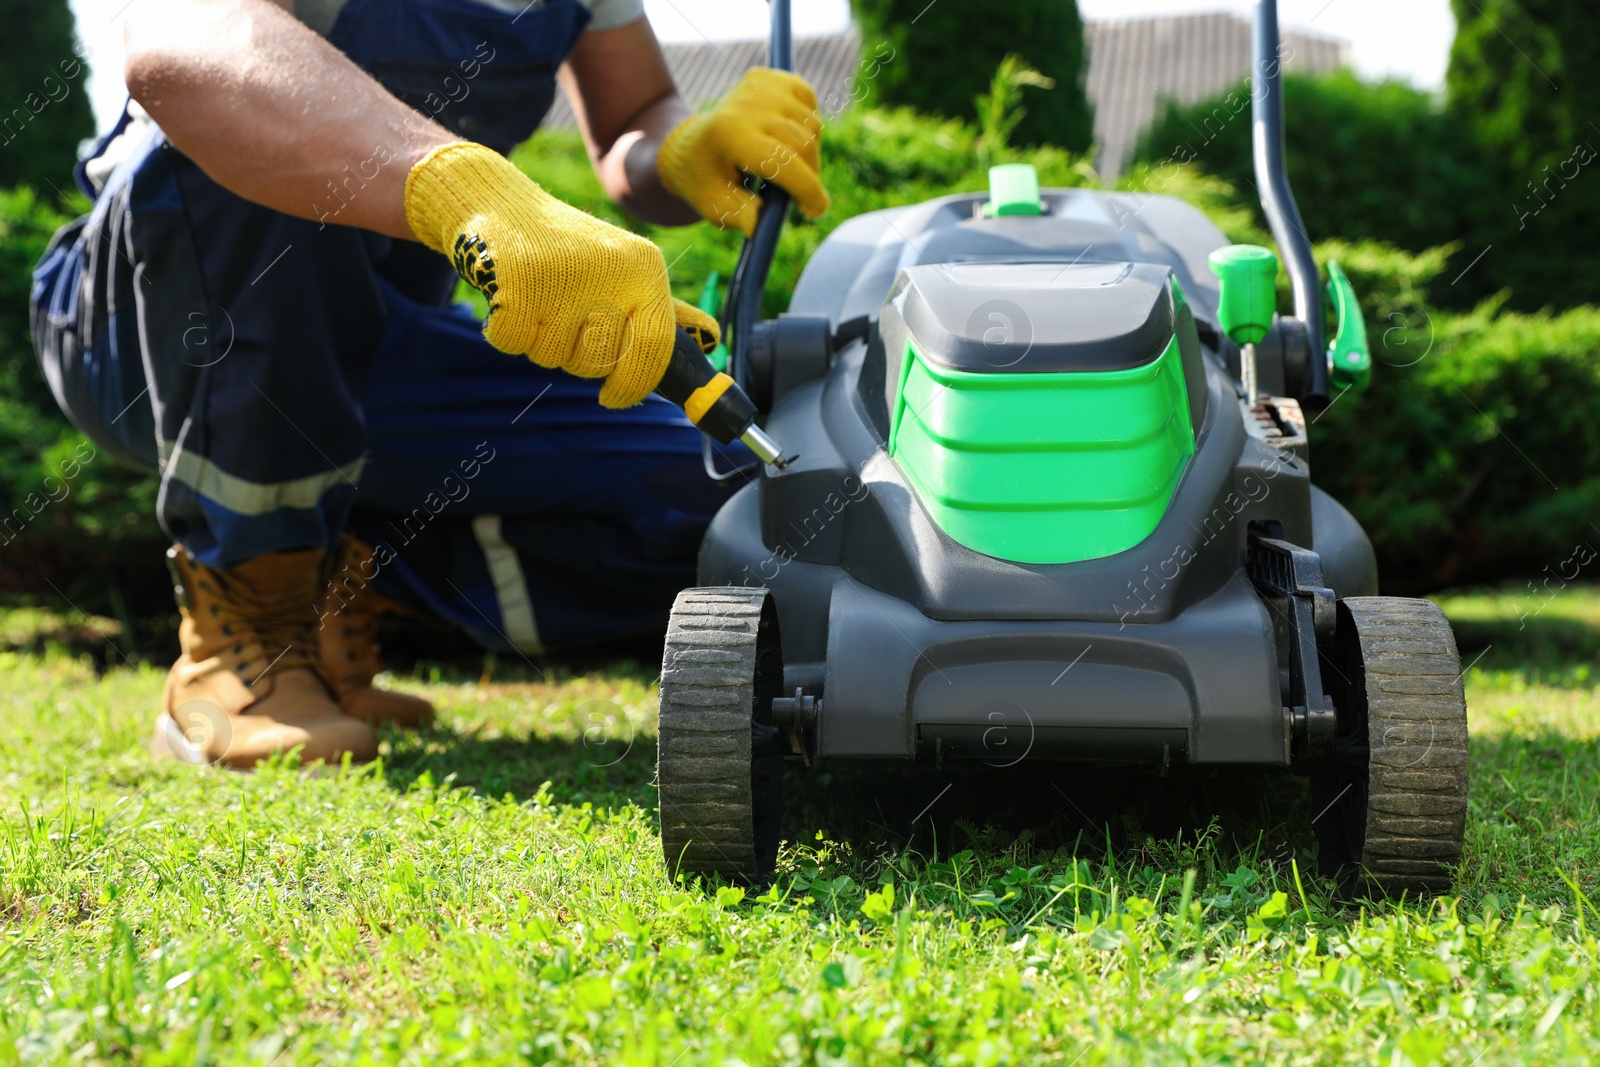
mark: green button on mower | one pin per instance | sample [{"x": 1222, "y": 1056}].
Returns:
[
  {"x": 1248, "y": 274},
  {"x": 1013, "y": 190},
  {"x": 711, "y": 304}
]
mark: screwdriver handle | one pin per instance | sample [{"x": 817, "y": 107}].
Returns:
[{"x": 712, "y": 400}]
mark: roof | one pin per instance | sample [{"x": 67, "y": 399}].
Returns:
[
  {"x": 707, "y": 70},
  {"x": 1133, "y": 64}
]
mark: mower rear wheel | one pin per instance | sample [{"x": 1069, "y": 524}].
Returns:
[
  {"x": 719, "y": 766},
  {"x": 1390, "y": 810}
]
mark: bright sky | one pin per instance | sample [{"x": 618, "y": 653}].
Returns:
[{"x": 1408, "y": 39}]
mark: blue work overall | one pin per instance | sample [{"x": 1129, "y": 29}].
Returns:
[{"x": 289, "y": 377}]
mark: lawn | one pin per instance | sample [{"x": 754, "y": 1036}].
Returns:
[{"x": 493, "y": 892}]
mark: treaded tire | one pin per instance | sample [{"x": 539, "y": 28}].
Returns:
[
  {"x": 1390, "y": 811},
  {"x": 719, "y": 766}
]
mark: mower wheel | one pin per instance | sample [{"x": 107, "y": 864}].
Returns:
[
  {"x": 1390, "y": 809},
  {"x": 719, "y": 766}
]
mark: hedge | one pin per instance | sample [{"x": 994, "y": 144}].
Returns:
[
  {"x": 1475, "y": 456},
  {"x": 1379, "y": 161}
]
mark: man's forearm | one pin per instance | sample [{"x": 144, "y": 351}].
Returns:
[
  {"x": 629, "y": 171},
  {"x": 622, "y": 94},
  {"x": 274, "y": 113}
]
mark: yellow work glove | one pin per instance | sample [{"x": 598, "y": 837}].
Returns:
[
  {"x": 767, "y": 126},
  {"x": 564, "y": 288}
]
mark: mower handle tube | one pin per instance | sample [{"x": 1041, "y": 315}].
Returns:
[
  {"x": 1277, "y": 199},
  {"x": 691, "y": 378},
  {"x": 749, "y": 279}
]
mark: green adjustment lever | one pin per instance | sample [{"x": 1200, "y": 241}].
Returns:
[
  {"x": 711, "y": 304},
  {"x": 1349, "y": 358}
]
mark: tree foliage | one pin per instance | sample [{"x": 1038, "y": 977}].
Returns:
[
  {"x": 1522, "y": 85},
  {"x": 44, "y": 95},
  {"x": 945, "y": 55}
]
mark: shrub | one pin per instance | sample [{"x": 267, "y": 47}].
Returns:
[
  {"x": 71, "y": 521},
  {"x": 1502, "y": 170},
  {"x": 26, "y": 225},
  {"x": 1473, "y": 458},
  {"x": 1350, "y": 146},
  {"x": 1468, "y": 459},
  {"x": 1521, "y": 75},
  {"x": 1451, "y": 460}
]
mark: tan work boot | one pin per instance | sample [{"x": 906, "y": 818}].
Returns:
[
  {"x": 349, "y": 619},
  {"x": 247, "y": 686}
]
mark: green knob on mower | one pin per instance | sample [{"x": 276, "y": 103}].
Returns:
[
  {"x": 1013, "y": 190},
  {"x": 1248, "y": 274}
]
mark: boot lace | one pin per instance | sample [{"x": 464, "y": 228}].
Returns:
[
  {"x": 267, "y": 638},
  {"x": 352, "y": 608}
]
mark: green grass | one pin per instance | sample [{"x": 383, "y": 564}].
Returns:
[{"x": 493, "y": 892}]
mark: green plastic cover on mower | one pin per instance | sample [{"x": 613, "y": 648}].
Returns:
[{"x": 1043, "y": 467}]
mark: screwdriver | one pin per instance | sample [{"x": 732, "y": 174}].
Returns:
[{"x": 714, "y": 402}]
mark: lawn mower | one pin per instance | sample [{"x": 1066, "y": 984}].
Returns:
[{"x": 1037, "y": 486}]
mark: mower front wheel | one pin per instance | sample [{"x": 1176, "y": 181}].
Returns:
[
  {"x": 719, "y": 767},
  {"x": 1390, "y": 810}
]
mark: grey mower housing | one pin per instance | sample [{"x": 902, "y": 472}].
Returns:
[
  {"x": 919, "y": 646},
  {"x": 850, "y": 608}
]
